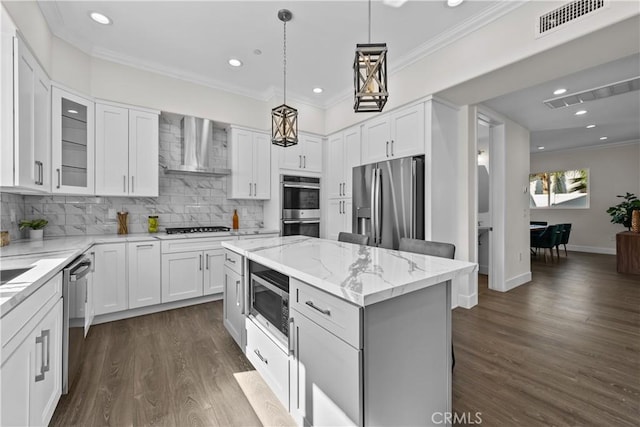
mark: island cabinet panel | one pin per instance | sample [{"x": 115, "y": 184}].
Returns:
[
  {"x": 233, "y": 304},
  {"x": 325, "y": 376},
  {"x": 270, "y": 359}
]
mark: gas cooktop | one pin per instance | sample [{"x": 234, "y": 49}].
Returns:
[{"x": 199, "y": 229}]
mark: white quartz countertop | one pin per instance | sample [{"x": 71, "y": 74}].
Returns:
[
  {"x": 51, "y": 255},
  {"x": 362, "y": 275}
]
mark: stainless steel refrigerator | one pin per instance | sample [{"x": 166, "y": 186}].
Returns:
[{"x": 388, "y": 201}]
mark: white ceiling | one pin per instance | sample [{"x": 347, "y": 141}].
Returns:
[
  {"x": 616, "y": 117},
  {"x": 194, "y": 40}
]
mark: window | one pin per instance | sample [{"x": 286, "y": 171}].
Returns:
[{"x": 567, "y": 189}]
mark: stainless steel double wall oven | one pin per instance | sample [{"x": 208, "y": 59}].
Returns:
[{"x": 300, "y": 196}]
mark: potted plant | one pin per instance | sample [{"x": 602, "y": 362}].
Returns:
[
  {"x": 622, "y": 212},
  {"x": 35, "y": 227}
]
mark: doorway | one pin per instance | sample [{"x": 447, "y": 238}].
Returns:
[{"x": 490, "y": 197}]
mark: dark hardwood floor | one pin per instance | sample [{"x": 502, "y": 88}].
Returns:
[{"x": 561, "y": 350}]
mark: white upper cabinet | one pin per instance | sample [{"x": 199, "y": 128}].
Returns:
[
  {"x": 250, "y": 159},
  {"x": 126, "y": 151},
  {"x": 394, "y": 135},
  {"x": 304, "y": 156},
  {"x": 73, "y": 143},
  {"x": 26, "y": 112},
  {"x": 343, "y": 155}
]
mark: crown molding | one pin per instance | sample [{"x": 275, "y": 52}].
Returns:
[
  {"x": 56, "y": 24},
  {"x": 589, "y": 147}
]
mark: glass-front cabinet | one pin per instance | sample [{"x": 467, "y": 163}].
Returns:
[{"x": 73, "y": 143}]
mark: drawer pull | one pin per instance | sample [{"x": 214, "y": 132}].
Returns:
[
  {"x": 257, "y": 352},
  {"x": 232, "y": 261},
  {"x": 290, "y": 336},
  {"x": 324, "y": 311},
  {"x": 238, "y": 293}
]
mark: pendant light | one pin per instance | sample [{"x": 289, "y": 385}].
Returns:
[
  {"x": 284, "y": 119},
  {"x": 370, "y": 75}
]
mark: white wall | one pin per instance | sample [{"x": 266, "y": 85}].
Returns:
[{"x": 613, "y": 170}]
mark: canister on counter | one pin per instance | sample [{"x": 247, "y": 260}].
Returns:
[
  {"x": 4, "y": 238},
  {"x": 153, "y": 223}
]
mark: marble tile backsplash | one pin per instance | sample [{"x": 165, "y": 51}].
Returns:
[
  {"x": 184, "y": 200},
  {"x": 11, "y": 203}
]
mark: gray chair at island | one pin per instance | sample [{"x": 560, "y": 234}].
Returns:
[
  {"x": 426, "y": 247},
  {"x": 358, "y": 239}
]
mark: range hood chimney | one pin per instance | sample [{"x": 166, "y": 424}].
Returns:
[{"x": 197, "y": 138}]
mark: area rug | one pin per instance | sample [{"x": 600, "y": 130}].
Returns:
[{"x": 266, "y": 405}]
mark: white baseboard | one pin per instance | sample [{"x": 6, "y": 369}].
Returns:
[
  {"x": 110, "y": 317},
  {"x": 591, "y": 249},
  {"x": 514, "y": 282},
  {"x": 483, "y": 269},
  {"x": 467, "y": 301}
]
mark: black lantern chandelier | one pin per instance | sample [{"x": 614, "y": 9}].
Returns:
[
  {"x": 284, "y": 119},
  {"x": 370, "y": 75}
]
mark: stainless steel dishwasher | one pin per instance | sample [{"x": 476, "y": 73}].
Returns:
[{"x": 76, "y": 294}]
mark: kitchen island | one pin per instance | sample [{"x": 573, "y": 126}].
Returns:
[{"x": 369, "y": 335}]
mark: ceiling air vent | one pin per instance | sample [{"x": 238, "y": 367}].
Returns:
[
  {"x": 567, "y": 13},
  {"x": 606, "y": 91}
]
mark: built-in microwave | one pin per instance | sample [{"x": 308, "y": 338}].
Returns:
[{"x": 269, "y": 297}]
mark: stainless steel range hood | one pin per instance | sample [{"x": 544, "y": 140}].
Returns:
[{"x": 197, "y": 139}]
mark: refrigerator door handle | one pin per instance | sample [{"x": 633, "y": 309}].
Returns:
[
  {"x": 378, "y": 205},
  {"x": 373, "y": 206},
  {"x": 414, "y": 198}
]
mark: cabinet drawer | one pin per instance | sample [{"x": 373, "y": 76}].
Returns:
[
  {"x": 193, "y": 244},
  {"x": 270, "y": 360},
  {"x": 31, "y": 307},
  {"x": 234, "y": 262},
  {"x": 335, "y": 315}
]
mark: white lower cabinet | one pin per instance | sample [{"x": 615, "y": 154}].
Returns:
[
  {"x": 270, "y": 359},
  {"x": 182, "y": 276},
  {"x": 213, "y": 268},
  {"x": 144, "y": 273},
  {"x": 192, "y": 268},
  {"x": 110, "y": 288},
  {"x": 233, "y": 304},
  {"x": 31, "y": 370}
]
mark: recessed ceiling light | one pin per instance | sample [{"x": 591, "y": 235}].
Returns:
[
  {"x": 591, "y": 126},
  {"x": 394, "y": 3},
  {"x": 317, "y": 90},
  {"x": 559, "y": 91},
  {"x": 581, "y": 112},
  {"x": 454, "y": 3},
  {"x": 72, "y": 111},
  {"x": 540, "y": 147},
  {"x": 602, "y": 138},
  {"x": 100, "y": 18},
  {"x": 235, "y": 62}
]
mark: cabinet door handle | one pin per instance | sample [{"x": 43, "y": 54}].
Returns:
[
  {"x": 255, "y": 189},
  {"x": 45, "y": 354},
  {"x": 324, "y": 311},
  {"x": 305, "y": 161},
  {"x": 58, "y": 171},
  {"x": 392, "y": 148},
  {"x": 264, "y": 359},
  {"x": 41, "y": 173},
  {"x": 238, "y": 293},
  {"x": 200, "y": 256},
  {"x": 290, "y": 337},
  {"x": 387, "y": 149},
  {"x": 300, "y": 162},
  {"x": 93, "y": 261},
  {"x": 249, "y": 188},
  {"x": 207, "y": 256},
  {"x": 124, "y": 183},
  {"x": 132, "y": 187},
  {"x": 38, "y": 180}
]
